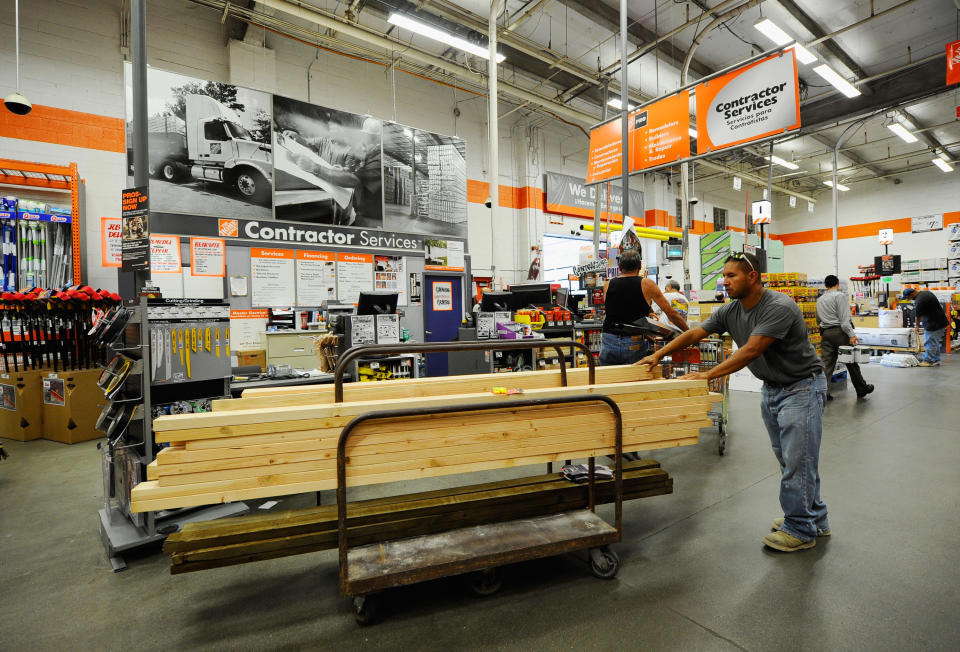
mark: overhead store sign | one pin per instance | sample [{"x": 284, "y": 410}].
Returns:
[
  {"x": 762, "y": 211},
  {"x": 605, "y": 160},
  {"x": 571, "y": 196},
  {"x": 924, "y": 223},
  {"x": 886, "y": 236},
  {"x": 275, "y": 231},
  {"x": 660, "y": 132},
  {"x": 953, "y": 65},
  {"x": 759, "y": 100}
]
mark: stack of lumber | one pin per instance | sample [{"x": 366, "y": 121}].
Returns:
[
  {"x": 257, "y": 452},
  {"x": 215, "y": 544}
]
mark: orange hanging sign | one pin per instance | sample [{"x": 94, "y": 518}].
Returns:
[
  {"x": 605, "y": 160},
  {"x": 953, "y": 64},
  {"x": 660, "y": 132}
]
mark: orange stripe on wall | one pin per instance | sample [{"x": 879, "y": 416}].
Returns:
[
  {"x": 868, "y": 229},
  {"x": 47, "y": 124}
]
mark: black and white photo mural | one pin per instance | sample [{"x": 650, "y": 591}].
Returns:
[
  {"x": 209, "y": 146},
  {"x": 424, "y": 181},
  {"x": 327, "y": 165}
]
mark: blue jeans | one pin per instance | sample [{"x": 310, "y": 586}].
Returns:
[
  {"x": 793, "y": 416},
  {"x": 933, "y": 344},
  {"x": 621, "y": 349}
]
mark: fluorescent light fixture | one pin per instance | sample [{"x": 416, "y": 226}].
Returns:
[
  {"x": 840, "y": 186},
  {"x": 901, "y": 131},
  {"x": 417, "y": 27},
  {"x": 838, "y": 82},
  {"x": 615, "y": 103},
  {"x": 693, "y": 132},
  {"x": 769, "y": 29},
  {"x": 942, "y": 164},
  {"x": 804, "y": 55},
  {"x": 779, "y": 161}
]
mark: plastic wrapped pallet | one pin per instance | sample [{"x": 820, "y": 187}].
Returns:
[{"x": 898, "y": 337}]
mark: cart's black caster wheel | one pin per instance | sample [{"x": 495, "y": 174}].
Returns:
[
  {"x": 486, "y": 582},
  {"x": 604, "y": 563},
  {"x": 365, "y": 609}
]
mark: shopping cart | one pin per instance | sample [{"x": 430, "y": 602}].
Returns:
[{"x": 705, "y": 355}]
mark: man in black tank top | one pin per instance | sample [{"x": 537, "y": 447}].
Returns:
[{"x": 628, "y": 298}]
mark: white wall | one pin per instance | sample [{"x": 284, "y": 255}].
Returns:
[
  {"x": 72, "y": 59},
  {"x": 921, "y": 193}
]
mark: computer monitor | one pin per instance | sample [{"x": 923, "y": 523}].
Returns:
[
  {"x": 377, "y": 303},
  {"x": 562, "y": 295},
  {"x": 531, "y": 294},
  {"x": 496, "y": 301}
]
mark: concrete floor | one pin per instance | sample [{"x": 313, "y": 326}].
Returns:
[{"x": 695, "y": 575}]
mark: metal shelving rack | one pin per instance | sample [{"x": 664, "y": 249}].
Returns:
[{"x": 120, "y": 530}]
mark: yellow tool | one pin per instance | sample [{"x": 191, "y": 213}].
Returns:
[
  {"x": 218, "y": 342},
  {"x": 227, "y": 341},
  {"x": 194, "y": 338},
  {"x": 173, "y": 341},
  {"x": 206, "y": 339},
  {"x": 179, "y": 336}
]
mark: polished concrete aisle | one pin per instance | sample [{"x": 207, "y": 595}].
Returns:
[{"x": 695, "y": 575}]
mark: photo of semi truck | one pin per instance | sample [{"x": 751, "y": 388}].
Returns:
[{"x": 210, "y": 145}]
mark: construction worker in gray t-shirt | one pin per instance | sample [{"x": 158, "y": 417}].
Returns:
[{"x": 774, "y": 344}]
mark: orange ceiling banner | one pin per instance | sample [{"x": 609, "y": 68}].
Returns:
[
  {"x": 605, "y": 160},
  {"x": 953, "y": 63},
  {"x": 753, "y": 102},
  {"x": 660, "y": 132}
]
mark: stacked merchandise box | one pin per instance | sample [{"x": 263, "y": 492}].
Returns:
[
  {"x": 795, "y": 286},
  {"x": 953, "y": 254},
  {"x": 21, "y": 405}
]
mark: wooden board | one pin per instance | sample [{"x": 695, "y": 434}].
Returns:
[{"x": 420, "y": 387}]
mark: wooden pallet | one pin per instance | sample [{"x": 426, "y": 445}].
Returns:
[
  {"x": 215, "y": 544},
  {"x": 261, "y": 452}
]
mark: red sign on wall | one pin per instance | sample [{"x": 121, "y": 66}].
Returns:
[{"x": 953, "y": 64}]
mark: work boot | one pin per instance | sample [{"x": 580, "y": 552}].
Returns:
[
  {"x": 784, "y": 542},
  {"x": 866, "y": 390},
  {"x": 777, "y": 523},
  {"x": 829, "y": 398},
  {"x": 924, "y": 363}
]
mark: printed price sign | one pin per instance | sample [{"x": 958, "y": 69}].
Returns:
[{"x": 443, "y": 296}]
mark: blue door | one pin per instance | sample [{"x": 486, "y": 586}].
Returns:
[{"x": 442, "y": 316}]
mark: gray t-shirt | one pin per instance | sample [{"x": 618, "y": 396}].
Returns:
[{"x": 791, "y": 357}]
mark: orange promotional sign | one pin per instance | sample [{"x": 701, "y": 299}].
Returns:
[
  {"x": 258, "y": 252},
  {"x": 660, "y": 132},
  {"x": 111, "y": 232},
  {"x": 323, "y": 256},
  {"x": 605, "y": 160},
  {"x": 953, "y": 63},
  {"x": 759, "y": 100}
]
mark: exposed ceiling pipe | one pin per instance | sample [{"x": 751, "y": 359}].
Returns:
[
  {"x": 859, "y": 23},
  {"x": 525, "y": 13},
  {"x": 719, "y": 167},
  {"x": 685, "y": 167},
  {"x": 304, "y": 12}
]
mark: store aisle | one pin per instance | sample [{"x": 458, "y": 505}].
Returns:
[{"x": 694, "y": 576}]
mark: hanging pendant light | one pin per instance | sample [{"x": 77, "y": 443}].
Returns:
[{"x": 15, "y": 102}]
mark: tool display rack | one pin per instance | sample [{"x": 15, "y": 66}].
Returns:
[
  {"x": 47, "y": 177},
  {"x": 120, "y": 529}
]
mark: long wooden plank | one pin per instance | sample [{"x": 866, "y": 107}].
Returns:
[
  {"x": 149, "y": 496},
  {"x": 417, "y": 388},
  {"x": 464, "y": 384},
  {"x": 312, "y": 519},
  {"x": 201, "y": 438},
  {"x": 505, "y": 450},
  {"x": 271, "y": 524},
  {"x": 372, "y": 436},
  {"x": 165, "y": 424},
  {"x": 285, "y": 547}
]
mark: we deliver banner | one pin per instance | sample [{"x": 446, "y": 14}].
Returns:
[
  {"x": 753, "y": 102},
  {"x": 953, "y": 63}
]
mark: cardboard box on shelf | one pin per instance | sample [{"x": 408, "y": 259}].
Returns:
[
  {"x": 72, "y": 402},
  {"x": 21, "y": 405},
  {"x": 933, "y": 263},
  {"x": 953, "y": 251},
  {"x": 953, "y": 231},
  {"x": 252, "y": 357},
  {"x": 909, "y": 265}
]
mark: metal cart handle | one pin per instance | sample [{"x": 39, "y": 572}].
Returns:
[
  {"x": 355, "y": 352},
  {"x": 474, "y": 407}
]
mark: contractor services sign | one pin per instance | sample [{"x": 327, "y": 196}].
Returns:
[{"x": 756, "y": 101}]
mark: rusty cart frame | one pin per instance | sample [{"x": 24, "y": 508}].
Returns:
[{"x": 482, "y": 548}]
